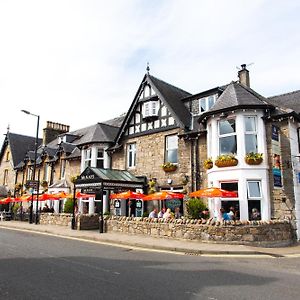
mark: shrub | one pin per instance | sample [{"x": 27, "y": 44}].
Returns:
[
  {"x": 68, "y": 208},
  {"x": 194, "y": 207}
]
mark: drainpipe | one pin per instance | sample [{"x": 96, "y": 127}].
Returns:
[
  {"x": 192, "y": 165},
  {"x": 198, "y": 178}
]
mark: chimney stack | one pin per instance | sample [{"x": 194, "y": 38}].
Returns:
[
  {"x": 243, "y": 75},
  {"x": 53, "y": 130}
]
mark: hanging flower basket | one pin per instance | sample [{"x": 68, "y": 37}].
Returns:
[
  {"x": 208, "y": 164},
  {"x": 169, "y": 167},
  {"x": 226, "y": 161},
  {"x": 253, "y": 158},
  {"x": 44, "y": 183}
]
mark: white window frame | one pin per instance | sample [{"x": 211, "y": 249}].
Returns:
[
  {"x": 206, "y": 99},
  {"x": 62, "y": 169},
  {"x": 220, "y": 136},
  {"x": 248, "y": 190},
  {"x": 87, "y": 158},
  {"x": 251, "y": 132},
  {"x": 150, "y": 108},
  {"x": 167, "y": 148},
  {"x": 131, "y": 155}
]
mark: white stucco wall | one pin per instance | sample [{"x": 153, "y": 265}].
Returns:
[{"x": 242, "y": 172}]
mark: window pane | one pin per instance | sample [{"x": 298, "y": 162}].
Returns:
[
  {"x": 251, "y": 143},
  {"x": 228, "y": 145},
  {"x": 250, "y": 124},
  {"x": 227, "y": 127},
  {"x": 172, "y": 156},
  {"x": 211, "y": 101},
  {"x": 254, "y": 189},
  {"x": 230, "y": 186},
  {"x": 203, "y": 105},
  {"x": 172, "y": 142}
]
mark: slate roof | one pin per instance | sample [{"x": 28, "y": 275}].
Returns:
[
  {"x": 173, "y": 97},
  {"x": 237, "y": 96},
  {"x": 19, "y": 145},
  {"x": 289, "y": 100},
  {"x": 98, "y": 133}
]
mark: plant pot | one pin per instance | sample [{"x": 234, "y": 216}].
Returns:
[
  {"x": 252, "y": 161},
  {"x": 170, "y": 169},
  {"x": 226, "y": 163},
  {"x": 208, "y": 165}
]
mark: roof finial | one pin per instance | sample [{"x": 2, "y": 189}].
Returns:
[
  {"x": 148, "y": 68},
  {"x": 8, "y": 128}
]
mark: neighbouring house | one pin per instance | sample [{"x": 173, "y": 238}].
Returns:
[{"x": 13, "y": 150}]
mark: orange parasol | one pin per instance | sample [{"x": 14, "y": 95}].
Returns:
[
  {"x": 62, "y": 195},
  {"x": 164, "y": 195},
  {"x": 6, "y": 200},
  {"x": 127, "y": 195},
  {"x": 82, "y": 195},
  {"x": 213, "y": 192},
  {"x": 45, "y": 196}
]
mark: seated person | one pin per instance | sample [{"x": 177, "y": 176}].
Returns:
[
  {"x": 168, "y": 215},
  {"x": 224, "y": 215},
  {"x": 204, "y": 214},
  {"x": 255, "y": 214},
  {"x": 177, "y": 213},
  {"x": 161, "y": 213},
  {"x": 153, "y": 213}
]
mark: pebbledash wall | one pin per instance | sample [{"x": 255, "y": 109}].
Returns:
[{"x": 269, "y": 234}]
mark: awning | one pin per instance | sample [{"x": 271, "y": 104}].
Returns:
[{"x": 108, "y": 179}]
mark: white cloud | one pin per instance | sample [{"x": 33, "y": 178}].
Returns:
[{"x": 80, "y": 62}]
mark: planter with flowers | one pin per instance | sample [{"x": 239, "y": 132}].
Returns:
[
  {"x": 227, "y": 160},
  {"x": 208, "y": 164},
  {"x": 169, "y": 167},
  {"x": 253, "y": 158}
]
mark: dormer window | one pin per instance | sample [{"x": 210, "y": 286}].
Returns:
[
  {"x": 150, "y": 109},
  {"x": 206, "y": 103}
]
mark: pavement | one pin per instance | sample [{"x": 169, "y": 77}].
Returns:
[{"x": 155, "y": 244}]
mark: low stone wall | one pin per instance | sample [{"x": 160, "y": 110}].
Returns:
[
  {"x": 56, "y": 219},
  {"x": 83, "y": 221},
  {"x": 270, "y": 234}
]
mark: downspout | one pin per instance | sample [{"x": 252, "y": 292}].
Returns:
[
  {"x": 192, "y": 166},
  {"x": 197, "y": 163}
]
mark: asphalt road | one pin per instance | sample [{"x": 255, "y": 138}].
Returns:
[{"x": 34, "y": 266}]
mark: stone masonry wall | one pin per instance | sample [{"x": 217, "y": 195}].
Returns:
[
  {"x": 150, "y": 156},
  {"x": 282, "y": 199},
  {"x": 55, "y": 219},
  {"x": 272, "y": 233}
]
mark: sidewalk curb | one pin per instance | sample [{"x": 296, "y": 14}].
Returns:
[{"x": 181, "y": 250}]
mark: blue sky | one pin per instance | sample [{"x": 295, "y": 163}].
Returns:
[{"x": 81, "y": 62}]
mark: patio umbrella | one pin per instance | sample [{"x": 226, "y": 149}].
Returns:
[
  {"x": 45, "y": 196},
  {"x": 164, "y": 195},
  {"x": 6, "y": 200},
  {"x": 62, "y": 195},
  {"x": 127, "y": 195},
  {"x": 213, "y": 192},
  {"x": 82, "y": 195}
]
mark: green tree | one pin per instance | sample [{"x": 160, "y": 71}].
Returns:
[{"x": 194, "y": 207}]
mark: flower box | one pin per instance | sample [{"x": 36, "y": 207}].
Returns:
[{"x": 208, "y": 164}]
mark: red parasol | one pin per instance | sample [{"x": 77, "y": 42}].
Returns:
[
  {"x": 214, "y": 192},
  {"x": 164, "y": 195},
  {"x": 127, "y": 195},
  {"x": 82, "y": 195},
  {"x": 6, "y": 200}
]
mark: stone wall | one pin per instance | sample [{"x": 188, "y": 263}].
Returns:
[
  {"x": 83, "y": 221},
  {"x": 282, "y": 199},
  {"x": 150, "y": 155},
  {"x": 272, "y": 233},
  {"x": 56, "y": 219}
]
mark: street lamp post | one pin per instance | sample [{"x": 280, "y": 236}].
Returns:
[{"x": 34, "y": 163}]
